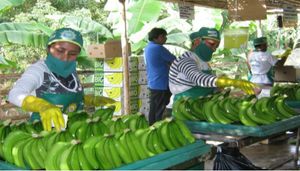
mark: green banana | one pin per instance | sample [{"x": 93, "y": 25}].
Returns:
[
  {"x": 36, "y": 154},
  {"x": 197, "y": 108},
  {"x": 116, "y": 158},
  {"x": 74, "y": 156},
  {"x": 142, "y": 122},
  {"x": 279, "y": 104},
  {"x": 178, "y": 134},
  {"x": 42, "y": 150},
  {"x": 64, "y": 162},
  {"x": 257, "y": 117},
  {"x": 83, "y": 160},
  {"x": 185, "y": 131},
  {"x": 51, "y": 162},
  {"x": 220, "y": 115},
  {"x": 18, "y": 155},
  {"x": 90, "y": 153},
  {"x": 175, "y": 109},
  {"x": 10, "y": 142},
  {"x": 156, "y": 141},
  {"x": 29, "y": 156},
  {"x": 123, "y": 151},
  {"x": 105, "y": 113},
  {"x": 272, "y": 107},
  {"x": 137, "y": 145},
  {"x": 207, "y": 110},
  {"x": 132, "y": 150},
  {"x": 244, "y": 118},
  {"x": 166, "y": 137},
  {"x": 185, "y": 110},
  {"x": 107, "y": 152},
  {"x": 101, "y": 156}
]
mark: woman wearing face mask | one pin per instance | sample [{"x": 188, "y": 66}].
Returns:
[
  {"x": 51, "y": 86},
  {"x": 190, "y": 74}
]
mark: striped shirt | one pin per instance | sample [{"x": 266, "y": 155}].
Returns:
[{"x": 186, "y": 72}]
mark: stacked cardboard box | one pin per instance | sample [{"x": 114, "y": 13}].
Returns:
[{"x": 108, "y": 82}]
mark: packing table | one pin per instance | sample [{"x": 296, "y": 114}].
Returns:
[{"x": 241, "y": 135}]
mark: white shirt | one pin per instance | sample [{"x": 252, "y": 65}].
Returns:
[{"x": 260, "y": 64}]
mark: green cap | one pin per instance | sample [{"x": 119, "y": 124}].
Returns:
[
  {"x": 259, "y": 41},
  {"x": 206, "y": 33},
  {"x": 66, "y": 35}
]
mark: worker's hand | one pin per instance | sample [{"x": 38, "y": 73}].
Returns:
[
  {"x": 244, "y": 85},
  {"x": 47, "y": 111},
  {"x": 91, "y": 100}
]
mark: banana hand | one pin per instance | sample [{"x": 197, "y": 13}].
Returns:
[
  {"x": 47, "y": 111},
  {"x": 244, "y": 85},
  {"x": 91, "y": 100}
]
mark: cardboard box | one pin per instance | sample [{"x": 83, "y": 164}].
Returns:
[
  {"x": 115, "y": 64},
  {"x": 134, "y": 107},
  {"x": 285, "y": 73},
  {"x": 108, "y": 50},
  {"x": 116, "y": 93},
  {"x": 114, "y": 79}
]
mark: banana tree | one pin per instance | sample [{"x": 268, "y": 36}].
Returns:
[
  {"x": 35, "y": 34},
  {"x": 142, "y": 16}
]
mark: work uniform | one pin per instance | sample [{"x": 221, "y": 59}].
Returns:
[
  {"x": 190, "y": 76},
  {"x": 39, "y": 81},
  {"x": 261, "y": 64}
]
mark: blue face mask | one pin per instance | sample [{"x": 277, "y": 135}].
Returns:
[
  {"x": 62, "y": 68},
  {"x": 204, "y": 52}
]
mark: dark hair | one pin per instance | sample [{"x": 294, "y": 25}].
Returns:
[{"x": 155, "y": 32}]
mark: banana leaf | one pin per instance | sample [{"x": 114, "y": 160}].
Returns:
[
  {"x": 84, "y": 25},
  {"x": 6, "y": 4},
  {"x": 37, "y": 40}
]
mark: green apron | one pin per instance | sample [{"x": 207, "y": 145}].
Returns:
[{"x": 68, "y": 101}]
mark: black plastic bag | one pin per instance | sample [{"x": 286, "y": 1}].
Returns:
[{"x": 230, "y": 158}]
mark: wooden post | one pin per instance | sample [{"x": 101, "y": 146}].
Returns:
[{"x": 125, "y": 54}]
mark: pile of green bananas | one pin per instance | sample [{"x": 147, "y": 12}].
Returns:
[
  {"x": 224, "y": 109},
  {"x": 110, "y": 151},
  {"x": 6, "y": 127},
  {"x": 291, "y": 90},
  {"x": 93, "y": 142}
]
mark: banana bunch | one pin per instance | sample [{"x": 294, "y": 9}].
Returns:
[
  {"x": 5, "y": 130},
  {"x": 174, "y": 133},
  {"x": 25, "y": 150},
  {"x": 116, "y": 125},
  {"x": 105, "y": 113},
  {"x": 291, "y": 90},
  {"x": 264, "y": 111},
  {"x": 135, "y": 121},
  {"x": 133, "y": 145},
  {"x": 76, "y": 116},
  {"x": 187, "y": 109},
  {"x": 83, "y": 129},
  {"x": 67, "y": 156},
  {"x": 52, "y": 137}
]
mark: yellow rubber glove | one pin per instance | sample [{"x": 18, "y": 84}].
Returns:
[
  {"x": 47, "y": 111},
  {"x": 91, "y": 100},
  {"x": 244, "y": 85}
]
